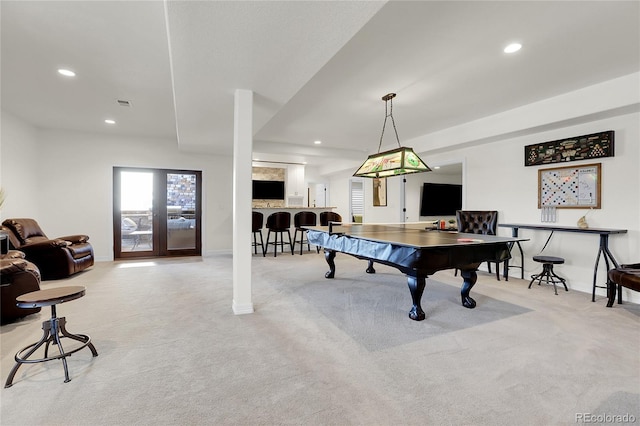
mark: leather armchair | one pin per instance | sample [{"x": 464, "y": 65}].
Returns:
[
  {"x": 17, "y": 277},
  {"x": 56, "y": 258},
  {"x": 479, "y": 222}
]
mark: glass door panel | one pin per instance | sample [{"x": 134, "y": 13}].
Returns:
[
  {"x": 136, "y": 211},
  {"x": 144, "y": 225},
  {"x": 182, "y": 199}
]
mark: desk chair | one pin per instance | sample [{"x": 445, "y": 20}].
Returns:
[{"x": 479, "y": 222}]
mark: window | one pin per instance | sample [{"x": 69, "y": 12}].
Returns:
[{"x": 357, "y": 200}]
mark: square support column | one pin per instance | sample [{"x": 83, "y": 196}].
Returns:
[{"x": 242, "y": 187}]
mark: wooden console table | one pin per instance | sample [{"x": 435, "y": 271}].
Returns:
[{"x": 602, "y": 251}]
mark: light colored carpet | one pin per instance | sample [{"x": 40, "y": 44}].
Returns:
[{"x": 320, "y": 351}]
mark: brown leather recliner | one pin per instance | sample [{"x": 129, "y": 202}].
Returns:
[
  {"x": 56, "y": 258},
  {"x": 17, "y": 277}
]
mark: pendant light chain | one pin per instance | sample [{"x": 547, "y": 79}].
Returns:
[
  {"x": 394, "y": 123},
  {"x": 388, "y": 113}
]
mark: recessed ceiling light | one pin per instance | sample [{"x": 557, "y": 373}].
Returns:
[
  {"x": 66, "y": 73},
  {"x": 436, "y": 167},
  {"x": 317, "y": 142},
  {"x": 108, "y": 121},
  {"x": 512, "y": 48}
]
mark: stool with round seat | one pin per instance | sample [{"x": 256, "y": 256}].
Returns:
[
  {"x": 300, "y": 220},
  {"x": 326, "y": 218},
  {"x": 256, "y": 226},
  {"x": 278, "y": 223},
  {"x": 54, "y": 329},
  {"x": 547, "y": 272}
]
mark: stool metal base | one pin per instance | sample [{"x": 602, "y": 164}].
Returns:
[
  {"x": 54, "y": 329},
  {"x": 275, "y": 243},
  {"x": 549, "y": 276},
  {"x": 303, "y": 241}
]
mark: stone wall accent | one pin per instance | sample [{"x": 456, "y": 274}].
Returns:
[{"x": 268, "y": 173}]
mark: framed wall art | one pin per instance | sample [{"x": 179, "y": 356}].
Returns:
[
  {"x": 576, "y": 187},
  {"x": 586, "y": 147},
  {"x": 379, "y": 192}
]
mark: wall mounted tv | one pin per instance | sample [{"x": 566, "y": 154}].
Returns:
[
  {"x": 268, "y": 190},
  {"x": 440, "y": 199}
]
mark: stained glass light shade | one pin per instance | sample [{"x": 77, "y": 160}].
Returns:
[{"x": 399, "y": 161}]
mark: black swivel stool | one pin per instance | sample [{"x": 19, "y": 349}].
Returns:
[
  {"x": 301, "y": 219},
  {"x": 54, "y": 329},
  {"x": 325, "y": 218},
  {"x": 278, "y": 223},
  {"x": 256, "y": 226},
  {"x": 547, "y": 271}
]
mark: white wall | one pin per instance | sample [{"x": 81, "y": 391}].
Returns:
[
  {"x": 19, "y": 168},
  {"x": 496, "y": 179},
  {"x": 414, "y": 188},
  {"x": 339, "y": 196},
  {"x": 65, "y": 180}
]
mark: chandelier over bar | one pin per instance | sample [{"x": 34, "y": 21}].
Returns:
[{"x": 395, "y": 162}]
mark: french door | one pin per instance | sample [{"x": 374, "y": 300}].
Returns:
[{"x": 156, "y": 212}]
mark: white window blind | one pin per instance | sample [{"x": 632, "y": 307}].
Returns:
[{"x": 357, "y": 197}]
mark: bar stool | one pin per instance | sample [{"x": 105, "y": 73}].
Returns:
[
  {"x": 326, "y": 217},
  {"x": 547, "y": 271},
  {"x": 54, "y": 329},
  {"x": 256, "y": 226},
  {"x": 278, "y": 223},
  {"x": 299, "y": 220}
]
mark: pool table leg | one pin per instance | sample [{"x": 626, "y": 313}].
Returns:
[
  {"x": 329, "y": 256},
  {"x": 370, "y": 269},
  {"x": 416, "y": 287},
  {"x": 470, "y": 278}
]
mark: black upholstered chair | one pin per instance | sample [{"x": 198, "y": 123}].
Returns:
[
  {"x": 256, "y": 227},
  {"x": 301, "y": 219},
  {"x": 278, "y": 223},
  {"x": 480, "y": 222}
]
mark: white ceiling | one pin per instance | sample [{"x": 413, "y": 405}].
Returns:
[{"x": 318, "y": 69}]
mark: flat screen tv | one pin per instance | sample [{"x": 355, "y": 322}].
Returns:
[
  {"x": 440, "y": 199},
  {"x": 268, "y": 190}
]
